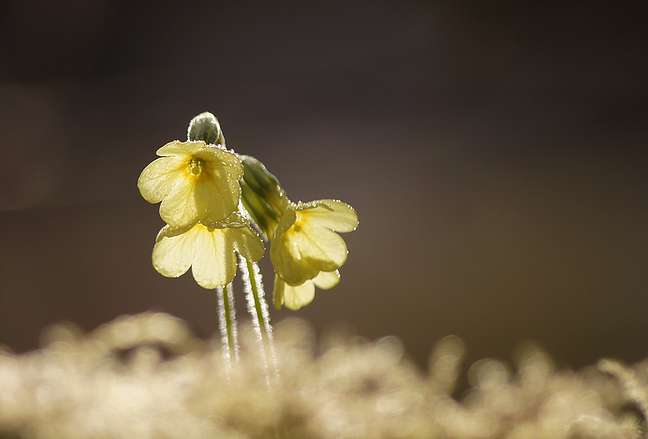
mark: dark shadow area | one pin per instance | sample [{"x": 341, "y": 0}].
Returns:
[{"x": 496, "y": 154}]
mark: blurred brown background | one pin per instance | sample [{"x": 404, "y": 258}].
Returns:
[{"x": 496, "y": 153}]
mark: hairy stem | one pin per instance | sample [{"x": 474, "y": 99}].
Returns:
[
  {"x": 258, "y": 309},
  {"x": 227, "y": 322}
]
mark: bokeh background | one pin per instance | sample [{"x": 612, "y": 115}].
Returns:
[{"x": 496, "y": 153}]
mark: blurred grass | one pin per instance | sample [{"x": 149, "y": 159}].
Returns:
[{"x": 148, "y": 376}]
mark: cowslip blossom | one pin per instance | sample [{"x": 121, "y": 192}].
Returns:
[
  {"x": 306, "y": 251},
  {"x": 208, "y": 249},
  {"x": 218, "y": 206},
  {"x": 194, "y": 182}
]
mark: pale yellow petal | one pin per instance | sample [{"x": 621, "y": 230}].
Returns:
[
  {"x": 209, "y": 195},
  {"x": 216, "y": 195},
  {"x": 286, "y": 221},
  {"x": 293, "y": 297},
  {"x": 168, "y": 231},
  {"x": 173, "y": 255},
  {"x": 223, "y": 170},
  {"x": 213, "y": 263},
  {"x": 221, "y": 159},
  {"x": 287, "y": 262},
  {"x": 284, "y": 260},
  {"x": 181, "y": 149},
  {"x": 296, "y": 297},
  {"x": 332, "y": 214},
  {"x": 157, "y": 179},
  {"x": 301, "y": 250},
  {"x": 320, "y": 244},
  {"x": 327, "y": 280},
  {"x": 247, "y": 243},
  {"x": 179, "y": 207}
]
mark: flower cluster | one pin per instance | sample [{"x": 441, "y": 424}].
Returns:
[{"x": 217, "y": 204}]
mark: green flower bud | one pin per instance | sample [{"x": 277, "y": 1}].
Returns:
[
  {"x": 262, "y": 195},
  {"x": 205, "y": 127}
]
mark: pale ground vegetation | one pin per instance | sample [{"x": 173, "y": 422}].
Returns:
[{"x": 148, "y": 376}]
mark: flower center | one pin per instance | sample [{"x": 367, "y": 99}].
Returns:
[
  {"x": 195, "y": 166},
  {"x": 297, "y": 226}
]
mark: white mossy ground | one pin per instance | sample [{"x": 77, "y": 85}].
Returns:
[{"x": 147, "y": 376}]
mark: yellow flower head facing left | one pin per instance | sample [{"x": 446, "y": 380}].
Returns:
[
  {"x": 209, "y": 251},
  {"x": 306, "y": 251},
  {"x": 194, "y": 182}
]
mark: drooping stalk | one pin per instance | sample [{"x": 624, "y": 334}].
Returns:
[
  {"x": 258, "y": 309},
  {"x": 227, "y": 323}
]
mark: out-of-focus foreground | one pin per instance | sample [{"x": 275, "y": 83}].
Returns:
[{"x": 147, "y": 376}]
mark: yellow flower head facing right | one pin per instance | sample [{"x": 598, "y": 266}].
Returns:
[
  {"x": 194, "y": 182},
  {"x": 306, "y": 251}
]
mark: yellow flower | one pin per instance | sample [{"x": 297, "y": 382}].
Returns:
[
  {"x": 195, "y": 182},
  {"x": 294, "y": 297},
  {"x": 306, "y": 252},
  {"x": 209, "y": 251}
]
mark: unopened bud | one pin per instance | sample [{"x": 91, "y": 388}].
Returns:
[
  {"x": 205, "y": 127},
  {"x": 262, "y": 195}
]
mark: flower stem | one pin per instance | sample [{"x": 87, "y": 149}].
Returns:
[
  {"x": 258, "y": 309},
  {"x": 255, "y": 293},
  {"x": 227, "y": 322}
]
